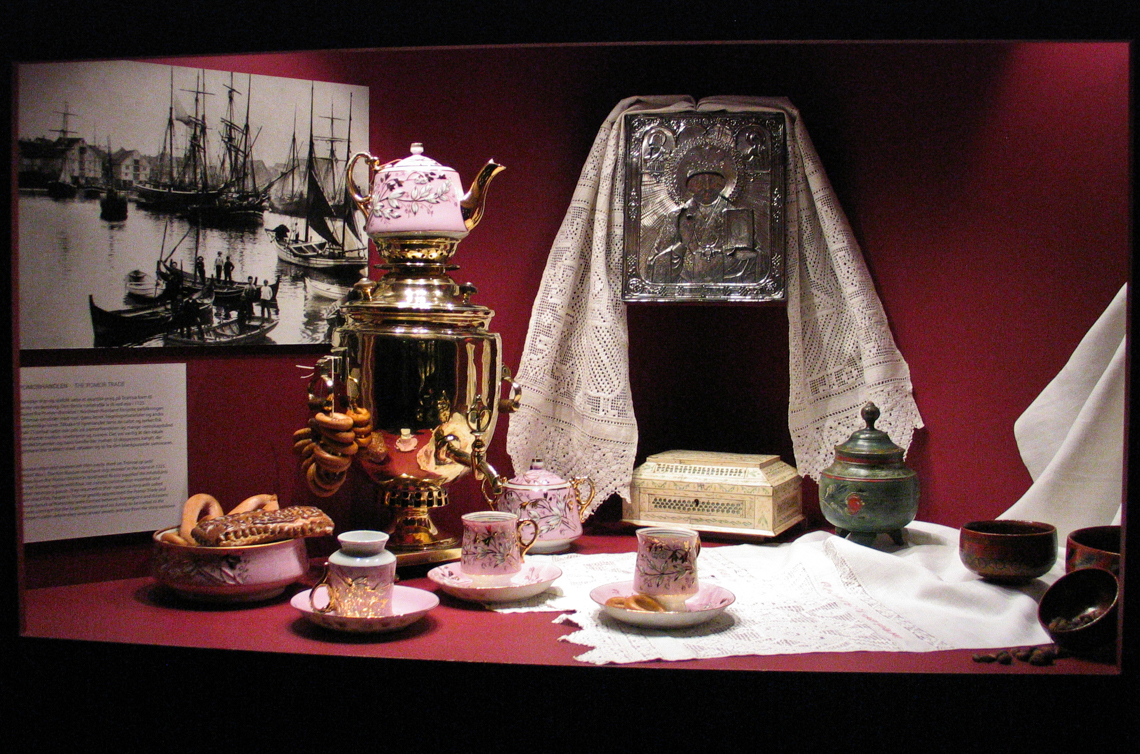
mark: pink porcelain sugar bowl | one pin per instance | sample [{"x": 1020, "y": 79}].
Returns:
[{"x": 554, "y": 503}]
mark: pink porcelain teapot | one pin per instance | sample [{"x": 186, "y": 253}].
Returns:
[
  {"x": 555, "y": 504},
  {"x": 417, "y": 197}
]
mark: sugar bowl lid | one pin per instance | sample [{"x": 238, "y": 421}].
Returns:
[
  {"x": 869, "y": 445},
  {"x": 538, "y": 477}
]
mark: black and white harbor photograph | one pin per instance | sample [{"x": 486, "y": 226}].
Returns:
[{"x": 164, "y": 206}]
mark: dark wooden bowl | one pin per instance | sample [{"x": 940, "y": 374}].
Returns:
[
  {"x": 1094, "y": 547},
  {"x": 1008, "y": 552},
  {"x": 1079, "y": 610}
]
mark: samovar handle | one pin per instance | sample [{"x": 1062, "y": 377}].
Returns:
[{"x": 511, "y": 403}]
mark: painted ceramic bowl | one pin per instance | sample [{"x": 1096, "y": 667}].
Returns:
[
  {"x": 1008, "y": 551},
  {"x": 1094, "y": 547},
  {"x": 229, "y": 574},
  {"x": 1079, "y": 610}
]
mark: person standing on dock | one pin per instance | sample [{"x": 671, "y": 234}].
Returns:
[{"x": 266, "y": 299}]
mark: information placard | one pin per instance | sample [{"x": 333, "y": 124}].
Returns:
[{"x": 103, "y": 449}]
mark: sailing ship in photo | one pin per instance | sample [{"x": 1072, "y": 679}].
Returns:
[
  {"x": 196, "y": 261},
  {"x": 113, "y": 205},
  {"x": 330, "y": 236},
  {"x": 187, "y": 181}
]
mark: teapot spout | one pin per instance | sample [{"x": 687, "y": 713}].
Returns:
[{"x": 472, "y": 203}]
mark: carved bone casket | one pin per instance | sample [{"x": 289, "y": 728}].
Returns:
[{"x": 729, "y": 493}]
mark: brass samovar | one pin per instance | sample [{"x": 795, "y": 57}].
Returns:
[{"x": 413, "y": 365}]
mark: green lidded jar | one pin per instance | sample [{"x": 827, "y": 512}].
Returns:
[{"x": 868, "y": 490}]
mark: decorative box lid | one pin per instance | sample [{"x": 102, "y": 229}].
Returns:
[{"x": 711, "y": 466}]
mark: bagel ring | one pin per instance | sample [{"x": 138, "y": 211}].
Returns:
[
  {"x": 200, "y": 506},
  {"x": 360, "y": 416},
  {"x": 329, "y": 460},
  {"x": 334, "y": 420},
  {"x": 257, "y": 502},
  {"x": 172, "y": 537},
  {"x": 338, "y": 437},
  {"x": 341, "y": 448},
  {"x": 319, "y": 484},
  {"x": 644, "y": 603}
]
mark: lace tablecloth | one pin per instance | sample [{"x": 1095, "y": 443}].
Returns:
[{"x": 819, "y": 593}]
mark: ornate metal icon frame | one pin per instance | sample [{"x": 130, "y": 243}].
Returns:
[{"x": 704, "y": 207}]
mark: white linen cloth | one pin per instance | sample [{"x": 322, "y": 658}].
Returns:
[
  {"x": 820, "y": 593},
  {"x": 577, "y": 413},
  {"x": 1071, "y": 437}
]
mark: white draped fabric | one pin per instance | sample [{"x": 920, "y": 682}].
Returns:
[
  {"x": 577, "y": 413},
  {"x": 1071, "y": 437}
]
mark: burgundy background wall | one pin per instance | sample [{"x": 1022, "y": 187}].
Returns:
[{"x": 988, "y": 184}]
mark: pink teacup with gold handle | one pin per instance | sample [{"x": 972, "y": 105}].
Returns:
[{"x": 494, "y": 545}]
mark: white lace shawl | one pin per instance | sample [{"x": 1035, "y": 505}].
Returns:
[{"x": 577, "y": 412}]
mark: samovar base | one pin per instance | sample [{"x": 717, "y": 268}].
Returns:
[{"x": 414, "y": 538}]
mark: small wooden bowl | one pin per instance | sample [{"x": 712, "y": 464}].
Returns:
[
  {"x": 1079, "y": 610},
  {"x": 1008, "y": 552},
  {"x": 1094, "y": 547}
]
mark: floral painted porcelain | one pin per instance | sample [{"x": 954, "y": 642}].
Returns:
[
  {"x": 666, "y": 565},
  {"x": 417, "y": 196},
  {"x": 533, "y": 579},
  {"x": 494, "y": 545},
  {"x": 359, "y": 576},
  {"x": 555, "y": 504},
  {"x": 408, "y": 606},
  {"x": 708, "y": 603},
  {"x": 229, "y": 574}
]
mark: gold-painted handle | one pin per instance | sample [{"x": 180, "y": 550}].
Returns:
[
  {"x": 576, "y": 484},
  {"x": 362, "y": 199},
  {"x": 332, "y": 595},
  {"x": 525, "y": 547}
]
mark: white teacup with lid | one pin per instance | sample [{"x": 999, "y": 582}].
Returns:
[{"x": 359, "y": 577}]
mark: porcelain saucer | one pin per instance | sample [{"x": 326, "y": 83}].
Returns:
[
  {"x": 534, "y": 578},
  {"x": 408, "y": 606},
  {"x": 709, "y": 602}
]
